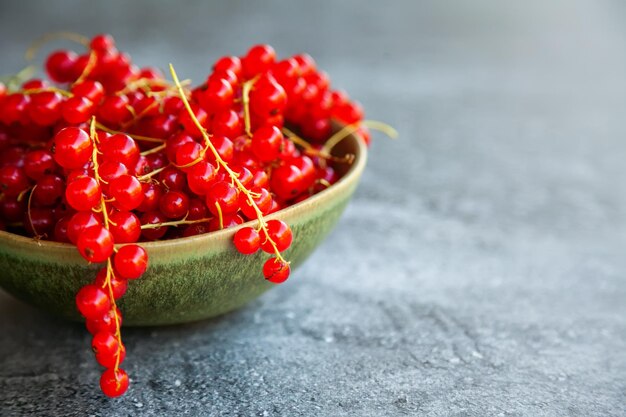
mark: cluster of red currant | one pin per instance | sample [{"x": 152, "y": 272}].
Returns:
[{"x": 113, "y": 155}]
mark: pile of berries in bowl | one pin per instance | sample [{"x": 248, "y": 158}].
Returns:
[{"x": 114, "y": 180}]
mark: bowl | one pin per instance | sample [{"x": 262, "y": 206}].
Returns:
[{"x": 188, "y": 279}]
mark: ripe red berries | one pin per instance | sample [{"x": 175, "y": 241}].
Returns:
[
  {"x": 247, "y": 240},
  {"x": 131, "y": 261},
  {"x": 92, "y": 302},
  {"x": 276, "y": 271},
  {"x": 72, "y": 147},
  {"x": 114, "y": 382},
  {"x": 112, "y": 156}
]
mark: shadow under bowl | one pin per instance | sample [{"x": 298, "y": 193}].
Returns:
[{"x": 188, "y": 279}]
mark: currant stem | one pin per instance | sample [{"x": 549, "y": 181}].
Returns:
[
  {"x": 312, "y": 151},
  {"x": 154, "y": 150},
  {"x": 48, "y": 89},
  {"x": 347, "y": 130},
  {"x": 35, "y": 46},
  {"x": 96, "y": 168},
  {"x": 151, "y": 174},
  {"x": 136, "y": 137},
  {"x": 245, "y": 98},
  {"x": 173, "y": 223},
  {"x": 91, "y": 63}
]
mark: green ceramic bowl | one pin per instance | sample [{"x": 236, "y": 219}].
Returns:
[{"x": 187, "y": 279}]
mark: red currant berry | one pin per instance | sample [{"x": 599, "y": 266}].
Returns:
[
  {"x": 218, "y": 95},
  {"x": 153, "y": 217},
  {"x": 121, "y": 148},
  {"x": 275, "y": 270},
  {"x": 12, "y": 181},
  {"x": 39, "y": 221},
  {"x": 60, "y": 230},
  {"x": 125, "y": 227},
  {"x": 76, "y": 110},
  {"x": 196, "y": 229},
  {"x": 279, "y": 233},
  {"x": 197, "y": 209},
  {"x": 173, "y": 179},
  {"x": 95, "y": 244},
  {"x": 151, "y": 196},
  {"x": 267, "y": 98},
  {"x": 92, "y": 302},
  {"x": 48, "y": 191},
  {"x": 224, "y": 195},
  {"x": 174, "y": 204},
  {"x": 72, "y": 148},
  {"x": 115, "y": 110},
  {"x": 118, "y": 285},
  {"x": 200, "y": 177},
  {"x": 127, "y": 192},
  {"x": 227, "y": 220},
  {"x": 348, "y": 112},
  {"x": 188, "y": 123},
  {"x": 114, "y": 382},
  {"x": 60, "y": 64},
  {"x": 105, "y": 343},
  {"x": 83, "y": 194},
  {"x": 14, "y": 109},
  {"x": 102, "y": 43},
  {"x": 224, "y": 147},
  {"x": 228, "y": 63},
  {"x": 38, "y": 163},
  {"x": 11, "y": 209},
  {"x": 266, "y": 143},
  {"x": 109, "y": 170},
  {"x": 258, "y": 59},
  {"x": 189, "y": 154},
  {"x": 109, "y": 360},
  {"x": 107, "y": 323},
  {"x": 227, "y": 123},
  {"x": 130, "y": 261},
  {"x": 247, "y": 240},
  {"x": 262, "y": 199},
  {"x": 45, "y": 108},
  {"x": 91, "y": 90},
  {"x": 306, "y": 64},
  {"x": 80, "y": 222}
]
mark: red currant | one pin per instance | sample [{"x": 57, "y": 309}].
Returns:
[
  {"x": 275, "y": 270},
  {"x": 92, "y": 302},
  {"x": 95, "y": 244},
  {"x": 83, "y": 194},
  {"x": 114, "y": 382},
  {"x": 72, "y": 148},
  {"x": 279, "y": 233},
  {"x": 130, "y": 261},
  {"x": 247, "y": 240}
]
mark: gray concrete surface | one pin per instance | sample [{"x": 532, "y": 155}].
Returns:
[{"x": 479, "y": 271}]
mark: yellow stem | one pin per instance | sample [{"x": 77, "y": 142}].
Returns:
[
  {"x": 173, "y": 223},
  {"x": 151, "y": 173},
  {"x": 154, "y": 150},
  {"x": 136, "y": 137},
  {"x": 35, "y": 46},
  {"x": 245, "y": 98},
  {"x": 350, "y": 129},
  {"x": 48, "y": 89},
  {"x": 91, "y": 63},
  {"x": 103, "y": 209}
]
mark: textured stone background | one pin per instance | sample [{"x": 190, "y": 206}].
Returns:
[{"x": 480, "y": 269}]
